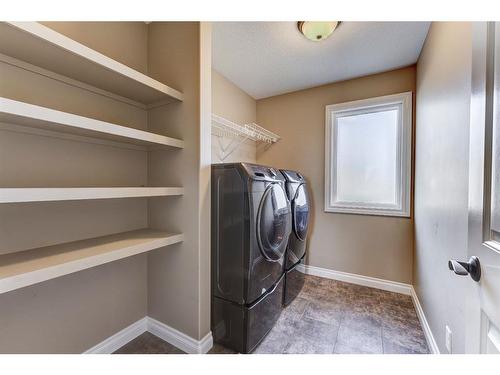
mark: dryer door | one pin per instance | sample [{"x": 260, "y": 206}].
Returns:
[
  {"x": 300, "y": 207},
  {"x": 273, "y": 223}
]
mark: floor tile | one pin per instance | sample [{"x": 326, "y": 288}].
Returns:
[
  {"x": 360, "y": 333},
  {"x": 395, "y": 298},
  {"x": 219, "y": 349},
  {"x": 326, "y": 312},
  {"x": 352, "y": 348},
  {"x": 316, "y": 330},
  {"x": 274, "y": 343},
  {"x": 150, "y": 344},
  {"x": 412, "y": 339},
  {"x": 298, "y": 306},
  {"x": 393, "y": 348},
  {"x": 363, "y": 320},
  {"x": 308, "y": 346}
]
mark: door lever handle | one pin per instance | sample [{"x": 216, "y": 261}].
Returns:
[
  {"x": 472, "y": 268},
  {"x": 460, "y": 268}
]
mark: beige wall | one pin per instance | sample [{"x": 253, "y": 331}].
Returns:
[
  {"x": 441, "y": 188},
  {"x": 126, "y": 42},
  {"x": 73, "y": 313},
  {"x": 232, "y": 103},
  {"x": 367, "y": 245}
]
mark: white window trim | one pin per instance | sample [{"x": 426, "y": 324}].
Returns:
[{"x": 402, "y": 208}]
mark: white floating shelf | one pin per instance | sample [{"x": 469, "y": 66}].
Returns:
[
  {"x": 39, "y": 45},
  {"x": 21, "y": 269},
  {"x": 21, "y": 195},
  {"x": 34, "y": 116}
]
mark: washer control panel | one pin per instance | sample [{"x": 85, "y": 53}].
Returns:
[{"x": 261, "y": 172}]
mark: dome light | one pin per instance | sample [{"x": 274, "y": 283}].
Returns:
[{"x": 317, "y": 31}]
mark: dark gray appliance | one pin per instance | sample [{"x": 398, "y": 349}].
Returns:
[
  {"x": 296, "y": 188},
  {"x": 251, "y": 223}
]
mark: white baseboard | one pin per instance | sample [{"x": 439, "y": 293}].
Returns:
[
  {"x": 119, "y": 339},
  {"x": 157, "y": 328},
  {"x": 179, "y": 339},
  {"x": 431, "y": 342},
  {"x": 372, "y": 282}
]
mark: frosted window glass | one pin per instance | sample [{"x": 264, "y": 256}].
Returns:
[{"x": 367, "y": 151}]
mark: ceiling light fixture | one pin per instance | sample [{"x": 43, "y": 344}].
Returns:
[{"x": 317, "y": 31}]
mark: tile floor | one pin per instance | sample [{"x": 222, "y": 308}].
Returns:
[{"x": 329, "y": 317}]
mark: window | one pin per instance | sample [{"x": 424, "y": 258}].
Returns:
[{"x": 368, "y": 156}]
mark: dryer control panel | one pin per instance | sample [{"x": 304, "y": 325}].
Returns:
[
  {"x": 293, "y": 176},
  {"x": 261, "y": 172}
]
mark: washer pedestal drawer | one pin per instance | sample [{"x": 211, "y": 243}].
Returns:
[
  {"x": 242, "y": 328},
  {"x": 294, "y": 281}
]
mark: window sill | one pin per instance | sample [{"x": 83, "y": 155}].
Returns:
[{"x": 368, "y": 212}]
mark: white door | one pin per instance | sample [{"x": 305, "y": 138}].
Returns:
[{"x": 483, "y": 304}]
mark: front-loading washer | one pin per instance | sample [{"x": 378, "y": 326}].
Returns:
[{"x": 251, "y": 224}]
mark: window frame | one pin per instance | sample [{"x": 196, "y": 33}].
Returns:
[{"x": 403, "y": 102}]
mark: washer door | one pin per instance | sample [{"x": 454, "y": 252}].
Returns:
[
  {"x": 300, "y": 207},
  {"x": 273, "y": 223}
]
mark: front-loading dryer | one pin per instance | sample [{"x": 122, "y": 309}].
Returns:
[
  {"x": 251, "y": 224},
  {"x": 298, "y": 194}
]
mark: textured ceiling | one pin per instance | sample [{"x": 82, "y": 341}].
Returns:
[{"x": 271, "y": 58}]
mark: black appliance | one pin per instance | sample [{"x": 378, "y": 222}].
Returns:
[
  {"x": 296, "y": 188},
  {"x": 251, "y": 224}
]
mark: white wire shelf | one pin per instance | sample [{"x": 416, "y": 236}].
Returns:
[
  {"x": 237, "y": 134},
  {"x": 225, "y": 128}
]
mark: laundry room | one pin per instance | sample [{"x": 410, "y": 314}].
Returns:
[
  {"x": 274, "y": 128},
  {"x": 249, "y": 187}
]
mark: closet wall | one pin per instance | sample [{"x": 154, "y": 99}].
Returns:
[
  {"x": 232, "y": 103},
  {"x": 72, "y": 313},
  {"x": 179, "y": 279}
]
